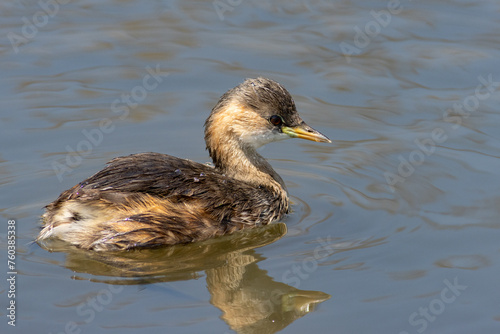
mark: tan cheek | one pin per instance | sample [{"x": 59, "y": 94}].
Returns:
[
  {"x": 249, "y": 123},
  {"x": 239, "y": 121}
]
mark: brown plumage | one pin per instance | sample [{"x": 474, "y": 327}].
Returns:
[{"x": 152, "y": 199}]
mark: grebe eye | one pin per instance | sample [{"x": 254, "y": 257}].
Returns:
[{"x": 276, "y": 120}]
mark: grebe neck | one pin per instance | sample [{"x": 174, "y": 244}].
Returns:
[{"x": 242, "y": 162}]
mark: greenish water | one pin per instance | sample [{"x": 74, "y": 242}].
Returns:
[{"x": 394, "y": 226}]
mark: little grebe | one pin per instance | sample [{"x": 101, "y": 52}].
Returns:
[{"x": 152, "y": 199}]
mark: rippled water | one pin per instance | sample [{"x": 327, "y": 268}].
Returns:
[{"x": 395, "y": 226}]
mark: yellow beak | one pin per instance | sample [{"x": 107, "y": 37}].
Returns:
[{"x": 304, "y": 131}]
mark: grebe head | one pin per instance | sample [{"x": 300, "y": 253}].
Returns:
[{"x": 256, "y": 112}]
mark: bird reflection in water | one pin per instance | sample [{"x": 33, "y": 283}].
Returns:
[{"x": 250, "y": 300}]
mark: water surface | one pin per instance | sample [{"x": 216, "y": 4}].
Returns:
[{"x": 394, "y": 227}]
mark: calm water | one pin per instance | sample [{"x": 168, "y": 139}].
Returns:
[{"x": 395, "y": 226}]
